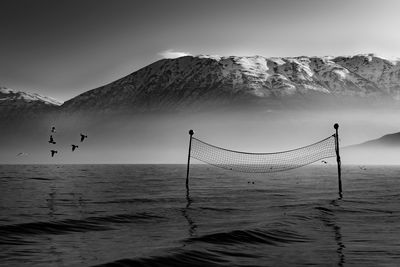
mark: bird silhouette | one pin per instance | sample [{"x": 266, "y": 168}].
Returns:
[
  {"x": 51, "y": 141},
  {"x": 362, "y": 168},
  {"x": 83, "y": 137},
  {"x": 74, "y": 147},
  {"x": 53, "y": 129},
  {"x": 323, "y": 161},
  {"x": 21, "y": 154},
  {"x": 53, "y": 152}
]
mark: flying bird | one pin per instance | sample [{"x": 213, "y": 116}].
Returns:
[
  {"x": 51, "y": 141},
  {"x": 362, "y": 168},
  {"x": 53, "y": 152},
  {"x": 323, "y": 161},
  {"x": 53, "y": 129},
  {"x": 20, "y": 154},
  {"x": 83, "y": 137},
  {"x": 74, "y": 147}
]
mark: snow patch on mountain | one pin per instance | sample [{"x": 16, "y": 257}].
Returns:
[
  {"x": 18, "y": 104},
  {"x": 8, "y": 94}
]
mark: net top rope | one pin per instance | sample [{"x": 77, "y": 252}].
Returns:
[{"x": 262, "y": 162}]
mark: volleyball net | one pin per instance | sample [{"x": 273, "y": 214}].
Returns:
[
  {"x": 262, "y": 162},
  {"x": 247, "y": 162}
]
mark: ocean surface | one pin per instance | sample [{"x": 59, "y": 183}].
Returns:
[{"x": 140, "y": 215}]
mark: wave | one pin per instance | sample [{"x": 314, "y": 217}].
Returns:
[
  {"x": 99, "y": 223},
  {"x": 7, "y": 177},
  {"x": 270, "y": 237},
  {"x": 338, "y": 210},
  {"x": 191, "y": 258},
  {"x": 324, "y": 210},
  {"x": 41, "y": 179},
  {"x": 217, "y": 256},
  {"x": 137, "y": 200},
  {"x": 219, "y": 209},
  {"x": 302, "y": 217}
]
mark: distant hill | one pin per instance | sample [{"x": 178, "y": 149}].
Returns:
[
  {"x": 386, "y": 141},
  {"x": 384, "y": 150}
]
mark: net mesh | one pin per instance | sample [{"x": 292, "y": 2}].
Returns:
[{"x": 262, "y": 162}]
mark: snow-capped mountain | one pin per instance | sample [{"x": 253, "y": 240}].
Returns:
[
  {"x": 22, "y": 104},
  {"x": 213, "y": 80}
]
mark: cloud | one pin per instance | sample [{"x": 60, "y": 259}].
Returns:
[{"x": 170, "y": 53}]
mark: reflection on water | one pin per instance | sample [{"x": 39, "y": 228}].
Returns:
[
  {"x": 141, "y": 215},
  {"x": 338, "y": 235},
  {"x": 185, "y": 213},
  {"x": 328, "y": 217}
]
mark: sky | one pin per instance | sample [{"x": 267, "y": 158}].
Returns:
[{"x": 63, "y": 48}]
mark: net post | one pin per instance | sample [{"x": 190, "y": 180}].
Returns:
[
  {"x": 191, "y": 132},
  {"x": 336, "y": 126}
]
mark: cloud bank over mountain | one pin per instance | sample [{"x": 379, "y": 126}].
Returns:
[{"x": 170, "y": 53}]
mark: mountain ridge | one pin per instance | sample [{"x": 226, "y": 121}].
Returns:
[
  {"x": 15, "y": 103},
  {"x": 199, "y": 82},
  {"x": 195, "y": 80}
]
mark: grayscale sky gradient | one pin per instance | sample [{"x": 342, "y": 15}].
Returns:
[{"x": 63, "y": 48}]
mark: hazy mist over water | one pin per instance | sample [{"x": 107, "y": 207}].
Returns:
[{"x": 163, "y": 137}]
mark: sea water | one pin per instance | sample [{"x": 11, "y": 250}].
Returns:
[{"x": 142, "y": 215}]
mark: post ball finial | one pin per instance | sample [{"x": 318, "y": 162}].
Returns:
[
  {"x": 336, "y": 126},
  {"x": 191, "y": 132}
]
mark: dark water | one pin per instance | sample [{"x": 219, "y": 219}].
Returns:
[{"x": 139, "y": 215}]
